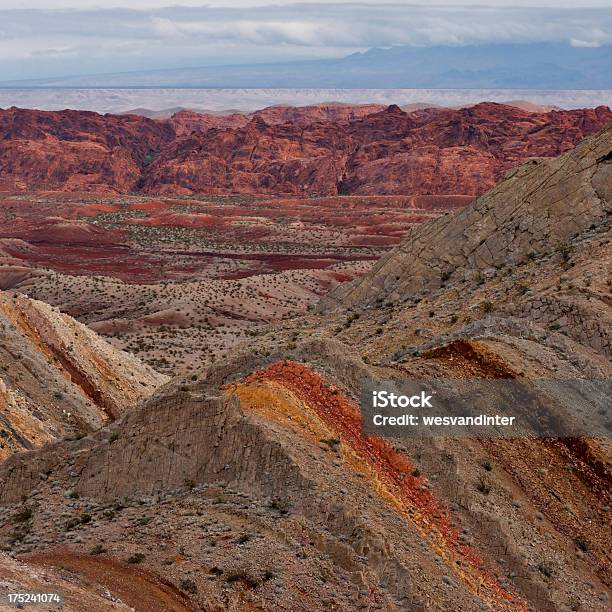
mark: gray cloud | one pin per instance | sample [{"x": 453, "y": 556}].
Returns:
[{"x": 37, "y": 42}]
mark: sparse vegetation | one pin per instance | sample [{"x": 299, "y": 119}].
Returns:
[
  {"x": 98, "y": 549},
  {"x": 200, "y": 276},
  {"x": 582, "y": 543},
  {"x": 483, "y": 486},
  {"x": 545, "y": 569},
  {"x": 565, "y": 251},
  {"x": 23, "y": 515},
  {"x": 281, "y": 504},
  {"x": 71, "y": 524},
  {"x": 244, "y": 576},
  {"x": 243, "y": 538},
  {"x": 189, "y": 586},
  {"x": 333, "y": 443},
  {"x": 136, "y": 558},
  {"x": 487, "y": 307}
]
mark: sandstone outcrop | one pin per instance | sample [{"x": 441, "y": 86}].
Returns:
[
  {"x": 76, "y": 150},
  {"x": 184, "y": 122},
  {"x": 58, "y": 378},
  {"x": 317, "y": 150}
]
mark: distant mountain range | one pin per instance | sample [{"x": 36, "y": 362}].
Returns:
[{"x": 522, "y": 66}]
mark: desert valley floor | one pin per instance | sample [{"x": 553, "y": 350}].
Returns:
[{"x": 201, "y": 272}]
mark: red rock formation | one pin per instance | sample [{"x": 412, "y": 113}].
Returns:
[
  {"x": 76, "y": 150},
  {"x": 429, "y": 152},
  {"x": 305, "y": 115},
  {"x": 323, "y": 149},
  {"x": 464, "y": 151},
  {"x": 257, "y": 158},
  {"x": 185, "y": 122}
]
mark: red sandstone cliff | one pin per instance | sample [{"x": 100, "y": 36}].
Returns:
[{"x": 316, "y": 150}]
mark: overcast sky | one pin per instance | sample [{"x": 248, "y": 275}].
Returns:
[{"x": 40, "y": 38}]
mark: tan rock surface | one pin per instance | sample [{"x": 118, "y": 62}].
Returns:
[{"x": 57, "y": 377}]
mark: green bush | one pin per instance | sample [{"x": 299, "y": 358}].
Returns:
[{"x": 136, "y": 558}]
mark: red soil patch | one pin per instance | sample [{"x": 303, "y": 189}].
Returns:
[
  {"x": 472, "y": 359},
  {"x": 146, "y": 206},
  {"x": 138, "y": 588},
  {"x": 342, "y": 278}
]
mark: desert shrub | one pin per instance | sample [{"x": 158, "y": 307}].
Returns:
[
  {"x": 281, "y": 504},
  {"x": 71, "y": 524},
  {"x": 333, "y": 443},
  {"x": 23, "y": 515},
  {"x": 522, "y": 288},
  {"x": 483, "y": 486},
  {"x": 188, "y": 585},
  {"x": 565, "y": 252},
  {"x": 136, "y": 558},
  {"x": 243, "y": 538},
  {"x": 546, "y": 570},
  {"x": 243, "y": 575},
  {"x": 487, "y": 306},
  {"x": 582, "y": 543}
]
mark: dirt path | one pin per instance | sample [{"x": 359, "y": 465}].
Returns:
[{"x": 136, "y": 587}]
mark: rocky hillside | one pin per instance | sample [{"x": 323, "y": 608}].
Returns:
[
  {"x": 536, "y": 211},
  {"x": 433, "y": 152},
  {"x": 185, "y": 122},
  {"x": 313, "y": 151},
  {"x": 58, "y": 378},
  {"x": 256, "y": 484},
  {"x": 76, "y": 150}
]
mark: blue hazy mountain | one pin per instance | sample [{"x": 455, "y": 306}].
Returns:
[{"x": 512, "y": 66}]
